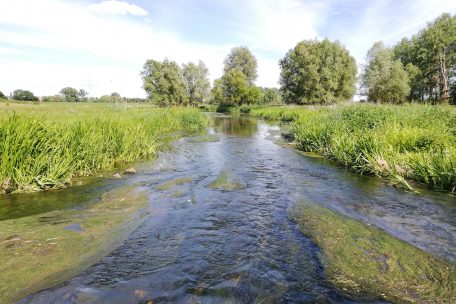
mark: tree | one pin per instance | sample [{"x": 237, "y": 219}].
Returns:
[
  {"x": 384, "y": 78},
  {"x": 234, "y": 89},
  {"x": 242, "y": 59},
  {"x": 24, "y": 95},
  {"x": 236, "y": 85},
  {"x": 196, "y": 81},
  {"x": 70, "y": 94},
  {"x": 82, "y": 95},
  {"x": 431, "y": 56},
  {"x": 317, "y": 72},
  {"x": 163, "y": 83},
  {"x": 439, "y": 42},
  {"x": 270, "y": 96},
  {"x": 2, "y": 96},
  {"x": 55, "y": 98}
]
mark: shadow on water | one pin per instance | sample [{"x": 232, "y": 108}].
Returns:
[
  {"x": 203, "y": 244},
  {"x": 235, "y": 126}
]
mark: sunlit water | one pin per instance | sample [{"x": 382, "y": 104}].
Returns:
[{"x": 202, "y": 245}]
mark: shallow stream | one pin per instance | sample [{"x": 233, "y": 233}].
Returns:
[{"x": 203, "y": 243}]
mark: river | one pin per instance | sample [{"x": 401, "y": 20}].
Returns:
[{"x": 203, "y": 244}]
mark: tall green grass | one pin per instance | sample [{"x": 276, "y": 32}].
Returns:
[
  {"x": 44, "y": 146},
  {"x": 413, "y": 142}
]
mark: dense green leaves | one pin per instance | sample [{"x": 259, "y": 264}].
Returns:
[
  {"x": 236, "y": 85},
  {"x": 317, "y": 72},
  {"x": 430, "y": 59},
  {"x": 241, "y": 58},
  {"x": 384, "y": 78},
  {"x": 2, "y": 96},
  {"x": 70, "y": 94},
  {"x": 163, "y": 83},
  {"x": 196, "y": 81},
  {"x": 24, "y": 95}
]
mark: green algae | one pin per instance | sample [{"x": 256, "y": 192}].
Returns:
[
  {"x": 225, "y": 181},
  {"x": 364, "y": 259},
  {"x": 38, "y": 252},
  {"x": 170, "y": 184}
]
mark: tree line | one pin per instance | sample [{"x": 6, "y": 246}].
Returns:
[{"x": 417, "y": 69}]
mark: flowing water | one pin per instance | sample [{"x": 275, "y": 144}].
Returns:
[{"x": 203, "y": 244}]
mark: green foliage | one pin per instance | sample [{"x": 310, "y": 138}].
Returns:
[
  {"x": 234, "y": 89},
  {"x": 384, "y": 79},
  {"x": 236, "y": 85},
  {"x": 415, "y": 142},
  {"x": 2, "y": 96},
  {"x": 196, "y": 82},
  {"x": 433, "y": 52},
  {"x": 163, "y": 83},
  {"x": 24, "y": 95},
  {"x": 270, "y": 96},
  {"x": 45, "y": 146},
  {"x": 240, "y": 58},
  {"x": 317, "y": 72},
  {"x": 73, "y": 95},
  {"x": 55, "y": 98}
]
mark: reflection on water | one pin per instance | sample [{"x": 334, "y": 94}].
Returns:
[
  {"x": 209, "y": 245},
  {"x": 235, "y": 126}
]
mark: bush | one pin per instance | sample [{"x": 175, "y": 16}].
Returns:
[{"x": 24, "y": 95}]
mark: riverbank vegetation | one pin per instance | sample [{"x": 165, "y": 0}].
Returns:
[
  {"x": 44, "y": 146},
  {"x": 363, "y": 259},
  {"x": 414, "y": 142}
]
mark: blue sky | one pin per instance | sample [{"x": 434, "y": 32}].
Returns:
[{"x": 100, "y": 46}]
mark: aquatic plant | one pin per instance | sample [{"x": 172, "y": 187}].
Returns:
[
  {"x": 413, "y": 142},
  {"x": 44, "y": 146},
  {"x": 363, "y": 259}
]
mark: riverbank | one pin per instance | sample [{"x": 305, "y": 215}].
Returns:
[
  {"x": 363, "y": 259},
  {"x": 43, "y": 146},
  {"x": 402, "y": 143}
]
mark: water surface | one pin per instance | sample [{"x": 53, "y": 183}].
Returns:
[{"x": 204, "y": 245}]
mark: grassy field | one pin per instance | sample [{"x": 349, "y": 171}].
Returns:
[
  {"x": 363, "y": 259},
  {"x": 45, "y": 145},
  {"x": 413, "y": 142}
]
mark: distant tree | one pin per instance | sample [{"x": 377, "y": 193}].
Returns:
[
  {"x": 384, "y": 79},
  {"x": 116, "y": 95},
  {"x": 70, "y": 94},
  {"x": 236, "y": 86},
  {"x": 24, "y": 95},
  {"x": 82, "y": 95},
  {"x": 55, "y": 98},
  {"x": 431, "y": 56},
  {"x": 270, "y": 96},
  {"x": 2, "y": 96},
  {"x": 242, "y": 59},
  {"x": 234, "y": 89},
  {"x": 317, "y": 72},
  {"x": 217, "y": 91},
  {"x": 196, "y": 81},
  {"x": 163, "y": 83}
]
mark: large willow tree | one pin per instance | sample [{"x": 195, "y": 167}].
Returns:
[{"x": 318, "y": 72}]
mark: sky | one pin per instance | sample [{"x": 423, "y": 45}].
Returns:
[{"x": 101, "y": 46}]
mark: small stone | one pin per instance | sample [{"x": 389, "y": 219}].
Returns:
[
  {"x": 130, "y": 171},
  {"x": 117, "y": 175}
]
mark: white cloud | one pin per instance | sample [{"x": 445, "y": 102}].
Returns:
[{"x": 114, "y": 7}]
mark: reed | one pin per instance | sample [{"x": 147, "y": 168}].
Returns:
[
  {"x": 44, "y": 146},
  {"x": 412, "y": 142}
]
